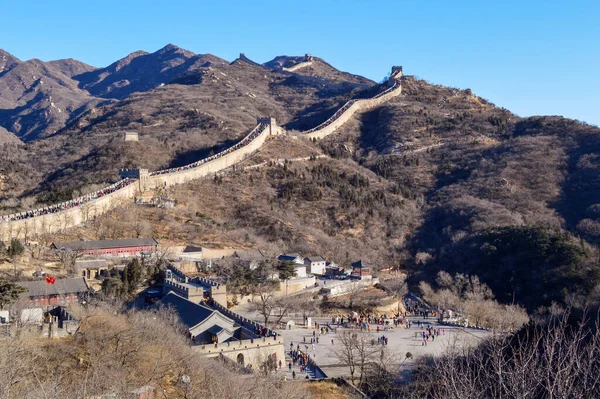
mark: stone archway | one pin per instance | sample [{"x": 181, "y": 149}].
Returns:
[{"x": 240, "y": 359}]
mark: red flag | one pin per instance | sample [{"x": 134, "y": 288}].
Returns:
[{"x": 50, "y": 280}]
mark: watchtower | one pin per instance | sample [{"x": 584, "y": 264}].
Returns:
[
  {"x": 271, "y": 123},
  {"x": 131, "y": 136},
  {"x": 396, "y": 72},
  {"x": 141, "y": 174}
]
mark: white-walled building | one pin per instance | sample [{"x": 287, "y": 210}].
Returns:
[{"x": 315, "y": 265}]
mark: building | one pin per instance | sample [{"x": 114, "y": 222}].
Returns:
[
  {"x": 124, "y": 248},
  {"x": 204, "y": 325},
  {"x": 92, "y": 269},
  {"x": 131, "y": 136},
  {"x": 361, "y": 269},
  {"x": 195, "y": 289},
  {"x": 218, "y": 332},
  {"x": 251, "y": 258},
  {"x": 40, "y": 293},
  {"x": 315, "y": 265},
  {"x": 293, "y": 257}
]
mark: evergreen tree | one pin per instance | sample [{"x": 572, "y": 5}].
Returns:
[
  {"x": 15, "y": 249},
  {"x": 132, "y": 276},
  {"x": 9, "y": 293},
  {"x": 286, "y": 270}
]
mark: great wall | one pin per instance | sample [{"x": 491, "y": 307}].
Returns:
[{"x": 59, "y": 217}]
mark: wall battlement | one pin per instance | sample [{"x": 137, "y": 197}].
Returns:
[
  {"x": 171, "y": 284},
  {"x": 242, "y": 321},
  {"x": 237, "y": 345}
]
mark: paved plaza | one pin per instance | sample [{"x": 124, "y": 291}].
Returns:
[{"x": 400, "y": 341}]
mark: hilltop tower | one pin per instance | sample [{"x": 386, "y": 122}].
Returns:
[{"x": 396, "y": 72}]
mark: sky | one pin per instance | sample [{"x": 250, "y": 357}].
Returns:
[{"x": 533, "y": 57}]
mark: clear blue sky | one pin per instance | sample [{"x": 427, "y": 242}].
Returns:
[{"x": 530, "y": 56}]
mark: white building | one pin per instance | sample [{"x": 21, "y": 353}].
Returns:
[
  {"x": 315, "y": 265},
  {"x": 300, "y": 271}
]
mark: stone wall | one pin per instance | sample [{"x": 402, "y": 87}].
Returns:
[
  {"x": 62, "y": 220},
  {"x": 295, "y": 285},
  {"x": 208, "y": 168},
  {"x": 356, "y": 106},
  {"x": 194, "y": 294},
  {"x": 254, "y": 351},
  {"x": 298, "y": 66}
]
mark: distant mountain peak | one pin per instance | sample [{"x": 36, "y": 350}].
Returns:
[
  {"x": 7, "y": 60},
  {"x": 173, "y": 49}
]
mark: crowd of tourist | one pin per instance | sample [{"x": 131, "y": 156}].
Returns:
[
  {"x": 430, "y": 334},
  {"x": 345, "y": 107},
  {"x": 300, "y": 358},
  {"x": 67, "y": 204},
  {"x": 244, "y": 142},
  {"x": 333, "y": 118}
]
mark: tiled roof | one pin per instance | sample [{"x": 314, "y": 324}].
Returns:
[
  {"x": 105, "y": 244},
  {"x": 191, "y": 314},
  {"x": 67, "y": 286},
  {"x": 191, "y": 248},
  {"x": 289, "y": 257},
  {"x": 250, "y": 254},
  {"x": 318, "y": 258}
]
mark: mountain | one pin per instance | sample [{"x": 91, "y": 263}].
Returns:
[
  {"x": 7, "y": 61},
  {"x": 437, "y": 178},
  {"x": 207, "y": 107},
  {"x": 71, "y": 67},
  {"x": 38, "y": 98},
  {"x": 141, "y": 71},
  {"x": 7, "y": 137}
]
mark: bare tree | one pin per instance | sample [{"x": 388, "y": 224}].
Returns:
[
  {"x": 356, "y": 349},
  {"x": 475, "y": 300},
  {"x": 67, "y": 259},
  {"x": 397, "y": 287},
  {"x": 265, "y": 304},
  {"x": 551, "y": 360}
]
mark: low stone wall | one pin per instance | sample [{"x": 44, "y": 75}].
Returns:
[
  {"x": 295, "y": 285},
  {"x": 348, "y": 286}
]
